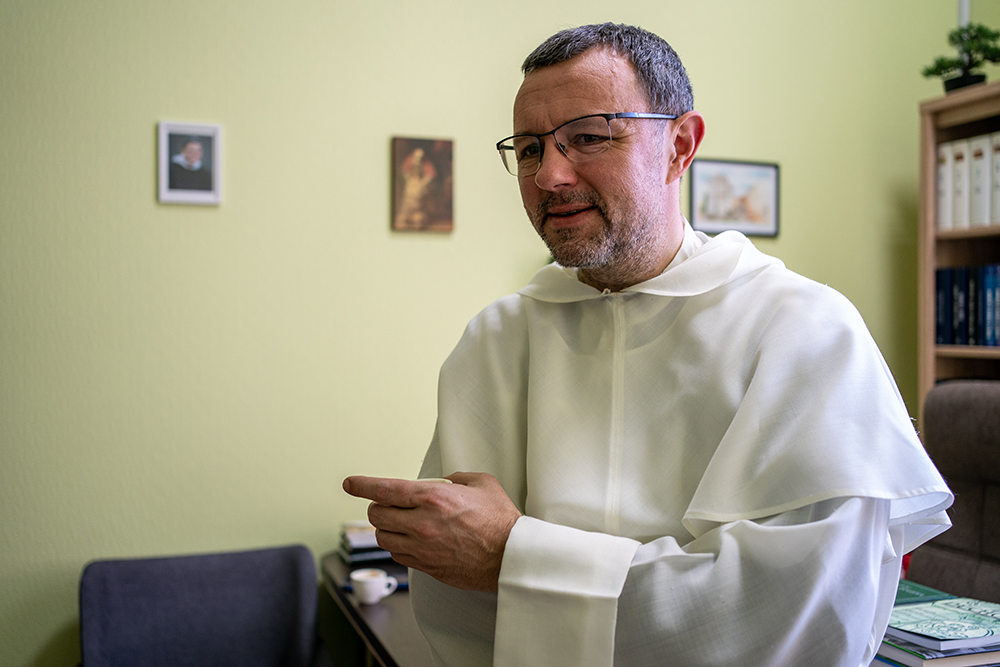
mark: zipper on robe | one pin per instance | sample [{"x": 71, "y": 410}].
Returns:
[{"x": 616, "y": 446}]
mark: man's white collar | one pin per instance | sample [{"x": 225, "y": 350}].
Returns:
[{"x": 179, "y": 159}]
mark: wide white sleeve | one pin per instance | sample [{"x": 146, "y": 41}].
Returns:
[{"x": 812, "y": 586}]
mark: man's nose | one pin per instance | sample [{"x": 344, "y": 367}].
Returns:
[{"x": 555, "y": 171}]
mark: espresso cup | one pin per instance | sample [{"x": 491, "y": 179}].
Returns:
[{"x": 371, "y": 584}]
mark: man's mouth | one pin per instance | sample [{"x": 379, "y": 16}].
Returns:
[
  {"x": 562, "y": 215},
  {"x": 570, "y": 212}
]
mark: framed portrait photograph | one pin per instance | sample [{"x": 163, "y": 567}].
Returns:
[
  {"x": 728, "y": 194},
  {"x": 422, "y": 185},
  {"x": 190, "y": 163}
]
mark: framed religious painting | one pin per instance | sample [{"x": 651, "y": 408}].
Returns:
[
  {"x": 190, "y": 163},
  {"x": 422, "y": 185},
  {"x": 734, "y": 195}
]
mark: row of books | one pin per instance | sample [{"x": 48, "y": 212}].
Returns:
[
  {"x": 358, "y": 545},
  {"x": 967, "y": 305},
  {"x": 968, "y": 182},
  {"x": 358, "y": 549},
  {"x": 930, "y": 628}
]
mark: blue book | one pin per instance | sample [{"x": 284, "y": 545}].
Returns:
[
  {"x": 972, "y": 305},
  {"x": 960, "y": 306},
  {"x": 993, "y": 303},
  {"x": 989, "y": 315},
  {"x": 944, "y": 333}
]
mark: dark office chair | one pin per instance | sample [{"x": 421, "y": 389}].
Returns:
[
  {"x": 962, "y": 436},
  {"x": 250, "y": 608}
]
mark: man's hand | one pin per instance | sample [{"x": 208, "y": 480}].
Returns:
[{"x": 454, "y": 532}]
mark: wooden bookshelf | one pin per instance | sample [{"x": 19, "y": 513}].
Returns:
[{"x": 963, "y": 114}]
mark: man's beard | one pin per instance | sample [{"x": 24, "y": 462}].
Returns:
[{"x": 617, "y": 243}]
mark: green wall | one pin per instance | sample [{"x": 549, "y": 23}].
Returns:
[{"x": 179, "y": 378}]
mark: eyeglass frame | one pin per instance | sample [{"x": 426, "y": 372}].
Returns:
[{"x": 606, "y": 116}]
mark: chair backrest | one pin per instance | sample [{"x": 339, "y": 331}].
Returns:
[
  {"x": 962, "y": 437},
  {"x": 248, "y": 608}
]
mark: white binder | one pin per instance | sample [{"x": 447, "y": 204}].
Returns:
[
  {"x": 945, "y": 189},
  {"x": 960, "y": 184},
  {"x": 980, "y": 180},
  {"x": 995, "y": 180}
]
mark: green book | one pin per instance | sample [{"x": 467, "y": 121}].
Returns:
[
  {"x": 947, "y": 624},
  {"x": 909, "y": 592}
]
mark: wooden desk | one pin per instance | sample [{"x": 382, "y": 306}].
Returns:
[{"x": 388, "y": 629}]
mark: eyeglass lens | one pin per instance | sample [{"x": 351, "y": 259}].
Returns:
[{"x": 579, "y": 140}]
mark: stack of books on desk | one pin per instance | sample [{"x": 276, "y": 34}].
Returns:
[
  {"x": 358, "y": 545},
  {"x": 929, "y": 628}
]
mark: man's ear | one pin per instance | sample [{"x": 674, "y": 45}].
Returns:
[{"x": 688, "y": 131}]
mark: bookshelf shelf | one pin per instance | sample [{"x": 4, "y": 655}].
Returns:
[
  {"x": 971, "y": 233},
  {"x": 967, "y": 352},
  {"x": 963, "y": 114}
]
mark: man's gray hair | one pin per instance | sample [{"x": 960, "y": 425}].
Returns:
[{"x": 658, "y": 67}]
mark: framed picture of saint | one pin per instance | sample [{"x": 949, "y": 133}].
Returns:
[
  {"x": 422, "y": 185},
  {"x": 190, "y": 163}
]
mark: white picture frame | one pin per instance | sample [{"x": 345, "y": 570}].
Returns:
[
  {"x": 734, "y": 195},
  {"x": 190, "y": 163}
]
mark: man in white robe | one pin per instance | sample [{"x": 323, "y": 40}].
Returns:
[{"x": 684, "y": 453}]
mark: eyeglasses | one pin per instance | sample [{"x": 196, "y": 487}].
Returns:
[{"x": 579, "y": 140}]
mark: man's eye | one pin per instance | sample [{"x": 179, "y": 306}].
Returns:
[
  {"x": 587, "y": 139},
  {"x": 528, "y": 152}
]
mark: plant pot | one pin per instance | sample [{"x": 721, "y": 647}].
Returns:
[{"x": 963, "y": 81}]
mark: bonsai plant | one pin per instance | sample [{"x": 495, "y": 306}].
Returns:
[{"x": 976, "y": 44}]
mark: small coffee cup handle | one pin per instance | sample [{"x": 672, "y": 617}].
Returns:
[{"x": 390, "y": 586}]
